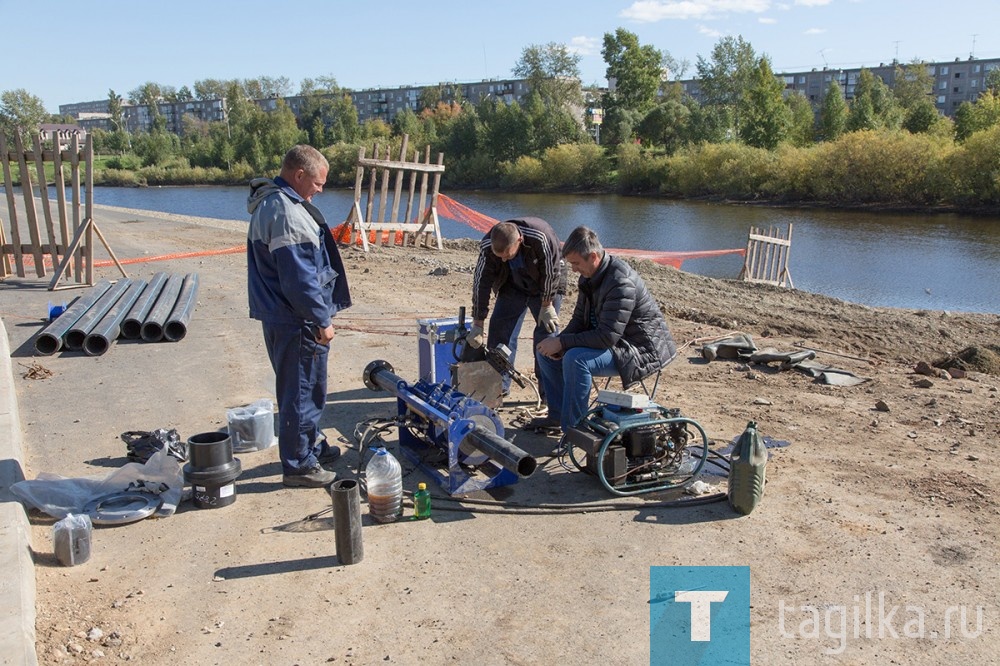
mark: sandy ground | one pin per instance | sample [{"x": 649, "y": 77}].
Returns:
[{"x": 898, "y": 501}]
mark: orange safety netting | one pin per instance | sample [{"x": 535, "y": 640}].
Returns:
[
  {"x": 453, "y": 210},
  {"x": 448, "y": 207}
]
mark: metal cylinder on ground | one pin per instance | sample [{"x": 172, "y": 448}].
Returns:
[
  {"x": 176, "y": 325},
  {"x": 99, "y": 340},
  {"x": 132, "y": 325},
  {"x": 50, "y": 339},
  {"x": 347, "y": 521},
  {"x": 75, "y": 336},
  {"x": 152, "y": 326}
]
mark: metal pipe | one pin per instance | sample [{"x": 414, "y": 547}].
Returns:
[
  {"x": 152, "y": 327},
  {"x": 176, "y": 326},
  {"x": 50, "y": 339},
  {"x": 132, "y": 326},
  {"x": 501, "y": 451},
  {"x": 78, "y": 333},
  {"x": 99, "y": 340},
  {"x": 347, "y": 521}
]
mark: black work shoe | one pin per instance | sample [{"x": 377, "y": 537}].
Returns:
[
  {"x": 314, "y": 477},
  {"x": 328, "y": 454},
  {"x": 542, "y": 424}
]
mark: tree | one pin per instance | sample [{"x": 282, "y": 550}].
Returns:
[
  {"x": 874, "y": 106},
  {"x": 726, "y": 76},
  {"x": 430, "y": 97},
  {"x": 913, "y": 84},
  {"x": 553, "y": 72},
  {"x": 119, "y": 140},
  {"x": 636, "y": 71},
  {"x": 803, "y": 120},
  {"x": 666, "y": 125},
  {"x": 326, "y": 84},
  {"x": 975, "y": 117},
  {"x": 833, "y": 113},
  {"x": 21, "y": 112},
  {"x": 211, "y": 89},
  {"x": 992, "y": 81},
  {"x": 765, "y": 119},
  {"x": 921, "y": 117}
]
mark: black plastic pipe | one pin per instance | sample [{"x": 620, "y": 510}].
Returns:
[
  {"x": 176, "y": 326},
  {"x": 75, "y": 336},
  {"x": 132, "y": 326},
  {"x": 347, "y": 521},
  {"x": 50, "y": 339},
  {"x": 99, "y": 340},
  {"x": 152, "y": 326}
]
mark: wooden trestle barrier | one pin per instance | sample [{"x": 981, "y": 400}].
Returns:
[
  {"x": 393, "y": 230},
  {"x": 61, "y": 252},
  {"x": 766, "y": 259}
]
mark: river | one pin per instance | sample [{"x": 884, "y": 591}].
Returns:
[{"x": 927, "y": 261}]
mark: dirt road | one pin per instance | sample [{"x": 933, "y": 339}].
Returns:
[{"x": 886, "y": 488}]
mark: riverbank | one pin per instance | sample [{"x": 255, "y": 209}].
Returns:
[{"x": 885, "y": 487}]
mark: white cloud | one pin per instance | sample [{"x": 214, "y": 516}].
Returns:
[
  {"x": 812, "y": 3},
  {"x": 650, "y": 11},
  {"x": 814, "y": 31},
  {"x": 709, "y": 32},
  {"x": 767, "y": 21},
  {"x": 584, "y": 46}
]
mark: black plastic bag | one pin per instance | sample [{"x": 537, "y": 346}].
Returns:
[{"x": 140, "y": 444}]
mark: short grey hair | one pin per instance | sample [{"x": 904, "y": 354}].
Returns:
[
  {"x": 306, "y": 158},
  {"x": 582, "y": 241},
  {"x": 503, "y": 235}
]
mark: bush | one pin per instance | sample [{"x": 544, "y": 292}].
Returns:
[
  {"x": 975, "y": 167},
  {"x": 884, "y": 166},
  {"x": 575, "y": 166},
  {"x": 127, "y": 162},
  {"x": 731, "y": 170},
  {"x": 639, "y": 170},
  {"x": 525, "y": 173}
]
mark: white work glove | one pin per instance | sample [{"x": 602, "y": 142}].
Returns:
[
  {"x": 549, "y": 318},
  {"x": 475, "y": 337}
]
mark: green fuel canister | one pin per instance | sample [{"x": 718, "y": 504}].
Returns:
[{"x": 747, "y": 465}]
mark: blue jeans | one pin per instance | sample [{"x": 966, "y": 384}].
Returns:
[
  {"x": 567, "y": 381},
  {"x": 300, "y": 367},
  {"x": 508, "y": 315}
]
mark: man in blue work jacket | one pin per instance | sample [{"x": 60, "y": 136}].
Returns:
[{"x": 296, "y": 284}]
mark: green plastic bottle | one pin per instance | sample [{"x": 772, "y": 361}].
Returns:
[
  {"x": 421, "y": 502},
  {"x": 747, "y": 466}
]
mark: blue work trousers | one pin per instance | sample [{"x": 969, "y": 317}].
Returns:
[
  {"x": 300, "y": 366},
  {"x": 567, "y": 381},
  {"x": 505, "y": 324}
]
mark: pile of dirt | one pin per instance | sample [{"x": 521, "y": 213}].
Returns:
[{"x": 984, "y": 359}]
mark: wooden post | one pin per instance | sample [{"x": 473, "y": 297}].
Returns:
[
  {"x": 60, "y": 196},
  {"x": 29, "y": 207},
  {"x": 15, "y": 231}
]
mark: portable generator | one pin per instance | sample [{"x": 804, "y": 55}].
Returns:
[{"x": 635, "y": 446}]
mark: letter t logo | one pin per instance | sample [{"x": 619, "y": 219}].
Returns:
[{"x": 701, "y": 611}]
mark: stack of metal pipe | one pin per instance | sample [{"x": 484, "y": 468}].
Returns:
[{"x": 153, "y": 311}]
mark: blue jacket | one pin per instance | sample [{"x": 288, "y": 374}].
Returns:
[{"x": 294, "y": 271}]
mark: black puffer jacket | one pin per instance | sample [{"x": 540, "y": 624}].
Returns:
[{"x": 615, "y": 311}]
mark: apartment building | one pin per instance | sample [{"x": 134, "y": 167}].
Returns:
[{"x": 954, "y": 82}]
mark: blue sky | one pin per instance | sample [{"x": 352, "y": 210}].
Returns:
[{"x": 117, "y": 44}]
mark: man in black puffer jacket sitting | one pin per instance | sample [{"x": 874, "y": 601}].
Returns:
[{"x": 616, "y": 329}]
